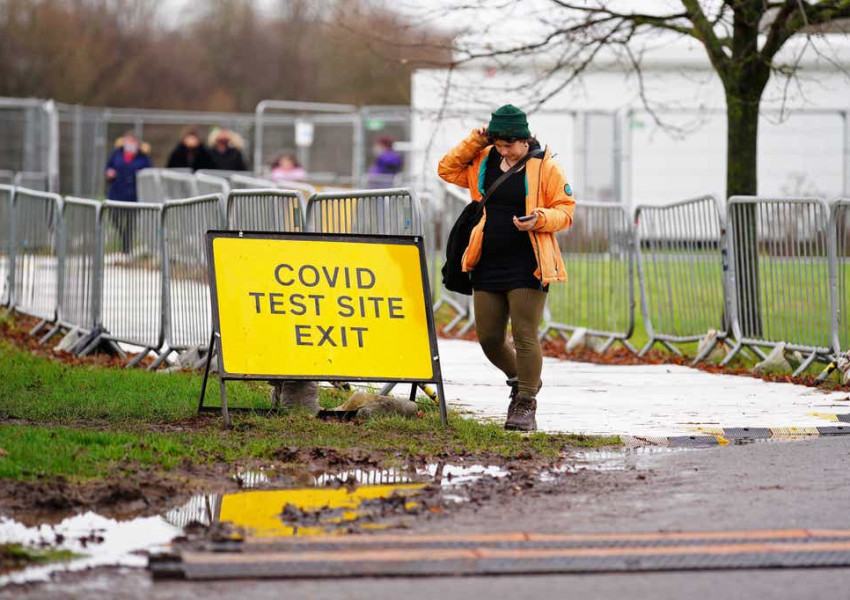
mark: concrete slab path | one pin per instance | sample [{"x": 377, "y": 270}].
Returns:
[{"x": 652, "y": 400}]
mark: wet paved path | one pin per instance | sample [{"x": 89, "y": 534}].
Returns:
[{"x": 649, "y": 400}]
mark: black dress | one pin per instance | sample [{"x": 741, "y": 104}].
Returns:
[{"x": 507, "y": 256}]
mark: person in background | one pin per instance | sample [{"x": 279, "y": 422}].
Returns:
[
  {"x": 190, "y": 153},
  {"x": 127, "y": 159},
  {"x": 226, "y": 150},
  {"x": 286, "y": 168},
  {"x": 387, "y": 164}
]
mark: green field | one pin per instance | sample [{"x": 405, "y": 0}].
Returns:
[{"x": 685, "y": 297}]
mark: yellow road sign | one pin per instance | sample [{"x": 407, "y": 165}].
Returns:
[{"x": 322, "y": 307}]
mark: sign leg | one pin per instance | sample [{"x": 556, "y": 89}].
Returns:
[
  {"x": 224, "y": 412},
  {"x": 413, "y": 388},
  {"x": 206, "y": 371},
  {"x": 444, "y": 417}
]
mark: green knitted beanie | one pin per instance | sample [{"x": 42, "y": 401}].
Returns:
[{"x": 508, "y": 122}]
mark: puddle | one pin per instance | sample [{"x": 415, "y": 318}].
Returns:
[
  {"x": 621, "y": 459},
  {"x": 98, "y": 541},
  {"x": 338, "y": 502}
]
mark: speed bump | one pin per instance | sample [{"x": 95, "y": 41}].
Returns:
[{"x": 454, "y": 554}]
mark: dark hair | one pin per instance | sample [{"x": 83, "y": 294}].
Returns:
[{"x": 492, "y": 139}]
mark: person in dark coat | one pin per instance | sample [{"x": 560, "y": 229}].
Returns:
[
  {"x": 128, "y": 158},
  {"x": 226, "y": 150},
  {"x": 190, "y": 153}
]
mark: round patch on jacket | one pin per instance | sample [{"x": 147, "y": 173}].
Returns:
[{"x": 568, "y": 190}]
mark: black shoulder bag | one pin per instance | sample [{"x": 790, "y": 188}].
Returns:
[{"x": 454, "y": 279}]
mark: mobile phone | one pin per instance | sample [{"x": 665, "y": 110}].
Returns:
[{"x": 525, "y": 217}]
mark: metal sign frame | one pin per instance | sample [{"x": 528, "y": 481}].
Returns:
[{"x": 215, "y": 339}]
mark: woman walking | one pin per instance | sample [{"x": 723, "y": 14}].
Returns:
[{"x": 512, "y": 255}]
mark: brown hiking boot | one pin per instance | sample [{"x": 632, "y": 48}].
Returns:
[
  {"x": 522, "y": 413},
  {"x": 513, "y": 383}
]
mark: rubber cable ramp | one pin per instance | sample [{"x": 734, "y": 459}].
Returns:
[{"x": 506, "y": 554}]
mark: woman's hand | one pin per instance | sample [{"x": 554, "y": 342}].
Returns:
[
  {"x": 526, "y": 225},
  {"x": 110, "y": 174},
  {"x": 482, "y": 133}
]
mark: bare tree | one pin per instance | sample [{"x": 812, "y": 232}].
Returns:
[{"x": 742, "y": 39}]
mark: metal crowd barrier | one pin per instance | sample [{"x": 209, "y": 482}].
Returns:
[
  {"x": 204, "y": 509},
  {"x": 177, "y": 185},
  {"x": 785, "y": 278},
  {"x": 454, "y": 201},
  {"x": 841, "y": 229},
  {"x": 599, "y": 295},
  {"x": 7, "y": 256},
  {"x": 188, "y": 315},
  {"x": 149, "y": 186},
  {"x": 81, "y": 266},
  {"x": 250, "y": 182},
  {"x": 31, "y": 180},
  {"x": 211, "y": 184},
  {"x": 265, "y": 210},
  {"x": 36, "y": 275},
  {"x": 388, "y": 212},
  {"x": 305, "y": 188},
  {"x": 132, "y": 302},
  {"x": 680, "y": 252}
]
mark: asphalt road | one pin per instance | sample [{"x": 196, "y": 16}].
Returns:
[{"x": 758, "y": 486}]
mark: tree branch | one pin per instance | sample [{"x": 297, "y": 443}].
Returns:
[{"x": 705, "y": 33}]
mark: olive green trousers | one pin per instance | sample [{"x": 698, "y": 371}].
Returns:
[{"x": 524, "y": 308}]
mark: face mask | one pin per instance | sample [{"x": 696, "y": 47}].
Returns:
[{"x": 131, "y": 148}]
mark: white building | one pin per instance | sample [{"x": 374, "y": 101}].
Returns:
[{"x": 610, "y": 145}]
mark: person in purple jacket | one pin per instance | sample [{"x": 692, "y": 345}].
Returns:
[
  {"x": 128, "y": 158},
  {"x": 387, "y": 164}
]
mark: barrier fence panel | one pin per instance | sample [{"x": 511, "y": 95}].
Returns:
[
  {"x": 149, "y": 186},
  {"x": 388, "y": 212},
  {"x": 265, "y": 210},
  {"x": 305, "y": 188},
  {"x": 7, "y": 257},
  {"x": 32, "y": 180},
  {"x": 81, "y": 264},
  {"x": 211, "y": 184},
  {"x": 841, "y": 226},
  {"x": 177, "y": 185},
  {"x": 680, "y": 253},
  {"x": 249, "y": 182},
  {"x": 784, "y": 277},
  {"x": 454, "y": 201},
  {"x": 7, "y": 177},
  {"x": 132, "y": 273},
  {"x": 36, "y": 249},
  {"x": 188, "y": 317},
  {"x": 598, "y": 252}
]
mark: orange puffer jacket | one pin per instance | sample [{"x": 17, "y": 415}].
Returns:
[{"x": 547, "y": 193}]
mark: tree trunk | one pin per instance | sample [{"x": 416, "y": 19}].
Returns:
[{"x": 742, "y": 110}]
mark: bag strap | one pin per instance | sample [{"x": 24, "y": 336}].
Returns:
[{"x": 519, "y": 164}]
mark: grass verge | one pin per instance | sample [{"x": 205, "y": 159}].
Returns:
[{"x": 84, "y": 422}]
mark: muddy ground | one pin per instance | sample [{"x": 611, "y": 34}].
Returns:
[{"x": 771, "y": 485}]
